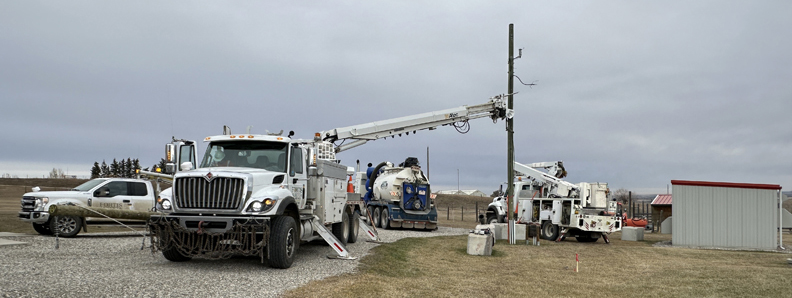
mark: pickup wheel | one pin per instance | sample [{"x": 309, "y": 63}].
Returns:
[
  {"x": 492, "y": 218},
  {"x": 376, "y": 217},
  {"x": 172, "y": 254},
  {"x": 341, "y": 229},
  {"x": 65, "y": 226},
  {"x": 354, "y": 227},
  {"x": 384, "y": 221},
  {"x": 549, "y": 230},
  {"x": 42, "y": 229},
  {"x": 283, "y": 242}
]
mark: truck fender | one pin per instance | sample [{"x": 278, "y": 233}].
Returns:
[{"x": 285, "y": 203}]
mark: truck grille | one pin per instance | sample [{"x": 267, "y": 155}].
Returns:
[
  {"x": 28, "y": 203},
  {"x": 219, "y": 193}
]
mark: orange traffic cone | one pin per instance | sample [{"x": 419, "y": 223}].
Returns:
[{"x": 350, "y": 187}]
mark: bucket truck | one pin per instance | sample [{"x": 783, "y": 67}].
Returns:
[
  {"x": 262, "y": 195},
  {"x": 559, "y": 207}
]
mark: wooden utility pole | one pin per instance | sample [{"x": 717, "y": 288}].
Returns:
[{"x": 510, "y": 146}]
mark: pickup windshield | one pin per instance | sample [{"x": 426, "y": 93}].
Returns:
[
  {"x": 89, "y": 185},
  {"x": 249, "y": 154}
]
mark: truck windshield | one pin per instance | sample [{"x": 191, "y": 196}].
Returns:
[
  {"x": 249, "y": 154},
  {"x": 89, "y": 185}
]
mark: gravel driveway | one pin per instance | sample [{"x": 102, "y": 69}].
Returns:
[{"x": 113, "y": 265}]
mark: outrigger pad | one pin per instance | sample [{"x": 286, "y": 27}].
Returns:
[{"x": 340, "y": 257}]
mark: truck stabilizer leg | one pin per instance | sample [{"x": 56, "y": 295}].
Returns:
[
  {"x": 371, "y": 232},
  {"x": 332, "y": 241},
  {"x": 605, "y": 237},
  {"x": 561, "y": 237}
]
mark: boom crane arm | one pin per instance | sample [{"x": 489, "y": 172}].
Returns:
[
  {"x": 495, "y": 108},
  {"x": 555, "y": 185}
]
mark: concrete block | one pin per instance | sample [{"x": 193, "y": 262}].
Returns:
[
  {"x": 665, "y": 226},
  {"x": 479, "y": 245},
  {"x": 520, "y": 231},
  {"x": 632, "y": 234},
  {"x": 501, "y": 231}
]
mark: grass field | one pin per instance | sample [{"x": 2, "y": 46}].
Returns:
[{"x": 440, "y": 267}]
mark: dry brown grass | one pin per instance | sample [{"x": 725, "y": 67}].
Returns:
[{"x": 440, "y": 267}]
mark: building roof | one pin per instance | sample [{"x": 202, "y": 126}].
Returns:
[
  {"x": 662, "y": 200},
  {"x": 725, "y": 184}
]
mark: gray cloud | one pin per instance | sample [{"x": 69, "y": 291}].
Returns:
[{"x": 630, "y": 93}]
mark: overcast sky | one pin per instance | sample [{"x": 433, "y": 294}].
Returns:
[{"x": 633, "y": 93}]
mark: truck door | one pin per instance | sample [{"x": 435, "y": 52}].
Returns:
[
  {"x": 139, "y": 196},
  {"x": 187, "y": 154},
  {"x": 298, "y": 177},
  {"x": 112, "y": 195}
]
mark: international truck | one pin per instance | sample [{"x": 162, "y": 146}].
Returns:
[{"x": 264, "y": 194}]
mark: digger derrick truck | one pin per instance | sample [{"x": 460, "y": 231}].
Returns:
[
  {"x": 560, "y": 208},
  {"x": 262, "y": 195}
]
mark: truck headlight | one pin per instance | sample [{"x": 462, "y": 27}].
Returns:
[
  {"x": 262, "y": 206},
  {"x": 256, "y": 207},
  {"x": 40, "y": 202},
  {"x": 166, "y": 204}
]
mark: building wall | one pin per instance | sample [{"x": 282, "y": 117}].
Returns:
[{"x": 707, "y": 216}]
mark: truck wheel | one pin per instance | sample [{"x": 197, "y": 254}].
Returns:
[
  {"x": 42, "y": 229},
  {"x": 549, "y": 230},
  {"x": 341, "y": 229},
  {"x": 65, "y": 226},
  {"x": 283, "y": 242},
  {"x": 492, "y": 218},
  {"x": 369, "y": 214},
  {"x": 172, "y": 254},
  {"x": 376, "y": 217},
  {"x": 384, "y": 221},
  {"x": 354, "y": 227}
]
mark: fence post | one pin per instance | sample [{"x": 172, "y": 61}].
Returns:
[
  {"x": 448, "y": 212},
  {"x": 463, "y": 213}
]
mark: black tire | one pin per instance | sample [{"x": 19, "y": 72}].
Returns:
[
  {"x": 172, "y": 254},
  {"x": 283, "y": 242},
  {"x": 65, "y": 226},
  {"x": 549, "y": 230},
  {"x": 341, "y": 229},
  {"x": 354, "y": 227},
  {"x": 376, "y": 217},
  {"x": 492, "y": 218},
  {"x": 369, "y": 214},
  {"x": 42, "y": 229},
  {"x": 384, "y": 221}
]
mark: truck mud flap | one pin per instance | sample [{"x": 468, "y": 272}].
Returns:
[{"x": 246, "y": 238}]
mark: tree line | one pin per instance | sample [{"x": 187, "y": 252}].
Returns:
[{"x": 120, "y": 169}]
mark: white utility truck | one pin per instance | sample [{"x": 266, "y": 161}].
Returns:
[
  {"x": 561, "y": 208},
  {"x": 262, "y": 195},
  {"x": 121, "y": 194}
]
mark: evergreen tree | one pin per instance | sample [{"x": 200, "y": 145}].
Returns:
[
  {"x": 105, "y": 170},
  {"x": 162, "y": 163},
  {"x": 114, "y": 172},
  {"x": 135, "y": 166},
  {"x": 130, "y": 168},
  {"x": 123, "y": 169},
  {"x": 95, "y": 171}
]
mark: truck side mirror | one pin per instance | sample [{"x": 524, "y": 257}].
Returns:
[
  {"x": 170, "y": 168},
  {"x": 102, "y": 192},
  {"x": 170, "y": 153}
]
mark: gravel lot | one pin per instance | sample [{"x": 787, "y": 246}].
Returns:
[{"x": 113, "y": 265}]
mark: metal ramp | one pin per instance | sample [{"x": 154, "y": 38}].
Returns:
[{"x": 332, "y": 241}]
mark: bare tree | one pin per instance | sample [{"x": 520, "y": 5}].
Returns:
[{"x": 621, "y": 195}]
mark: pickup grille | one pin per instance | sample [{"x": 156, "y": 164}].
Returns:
[
  {"x": 28, "y": 203},
  {"x": 220, "y": 193}
]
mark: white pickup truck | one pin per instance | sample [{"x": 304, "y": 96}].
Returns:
[{"x": 109, "y": 193}]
